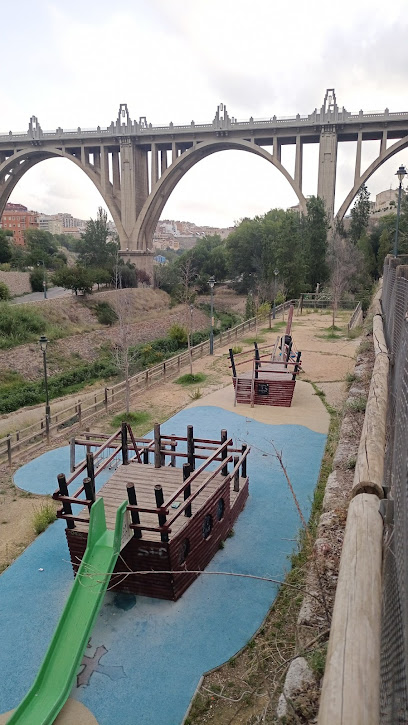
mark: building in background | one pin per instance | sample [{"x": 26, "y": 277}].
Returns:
[
  {"x": 17, "y": 218},
  {"x": 385, "y": 203}
]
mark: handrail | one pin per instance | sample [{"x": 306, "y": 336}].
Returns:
[
  {"x": 196, "y": 493},
  {"x": 197, "y": 472}
]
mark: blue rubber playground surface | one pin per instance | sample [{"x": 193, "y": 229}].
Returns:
[{"x": 146, "y": 656}]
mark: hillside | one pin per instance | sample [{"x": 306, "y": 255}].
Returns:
[{"x": 76, "y": 335}]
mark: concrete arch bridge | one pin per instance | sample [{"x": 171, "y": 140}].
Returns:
[{"x": 135, "y": 166}]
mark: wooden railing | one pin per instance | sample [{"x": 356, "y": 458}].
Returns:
[
  {"x": 121, "y": 443},
  {"x": 356, "y": 318},
  {"x": 81, "y": 412}
]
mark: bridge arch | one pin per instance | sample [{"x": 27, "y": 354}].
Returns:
[
  {"x": 155, "y": 203},
  {"x": 391, "y": 151},
  {"x": 14, "y": 167}
]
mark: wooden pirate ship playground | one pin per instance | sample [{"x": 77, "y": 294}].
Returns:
[
  {"x": 272, "y": 373},
  {"x": 177, "y": 516}
]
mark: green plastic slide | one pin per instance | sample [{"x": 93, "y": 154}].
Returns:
[{"x": 56, "y": 676}]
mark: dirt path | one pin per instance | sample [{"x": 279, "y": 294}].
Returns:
[{"x": 326, "y": 362}]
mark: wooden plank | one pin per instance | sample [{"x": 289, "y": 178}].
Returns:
[
  {"x": 351, "y": 684},
  {"x": 368, "y": 474}
]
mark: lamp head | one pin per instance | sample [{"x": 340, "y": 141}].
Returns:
[
  {"x": 276, "y": 272},
  {"x": 401, "y": 173},
  {"x": 43, "y": 341},
  {"x": 211, "y": 282}
]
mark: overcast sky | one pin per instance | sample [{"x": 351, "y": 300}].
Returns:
[{"x": 72, "y": 63}]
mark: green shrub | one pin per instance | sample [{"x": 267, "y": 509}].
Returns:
[
  {"x": 178, "y": 334},
  {"x": 17, "y": 395},
  {"x": 264, "y": 309},
  {"x": 37, "y": 279},
  {"x": 4, "y": 292},
  {"x": 191, "y": 379},
  {"x": 136, "y": 417},
  {"x": 357, "y": 405},
  {"x": 105, "y": 314},
  {"x": 19, "y": 324},
  {"x": 43, "y": 517}
]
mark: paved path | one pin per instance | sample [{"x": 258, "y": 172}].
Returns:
[{"x": 52, "y": 292}]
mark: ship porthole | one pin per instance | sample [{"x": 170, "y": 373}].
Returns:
[
  {"x": 207, "y": 526},
  {"x": 220, "y": 509},
  {"x": 184, "y": 551}
]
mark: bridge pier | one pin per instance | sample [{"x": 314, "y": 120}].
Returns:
[
  {"x": 327, "y": 170},
  {"x": 141, "y": 259}
]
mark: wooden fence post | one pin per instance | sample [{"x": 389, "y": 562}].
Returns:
[
  {"x": 89, "y": 491},
  {"x": 79, "y": 409},
  {"x": 106, "y": 399},
  {"x": 134, "y": 514},
  {"x": 90, "y": 469},
  {"x": 236, "y": 474},
  {"x": 244, "y": 462},
  {"x": 145, "y": 455},
  {"x": 72, "y": 454},
  {"x": 125, "y": 452},
  {"x": 190, "y": 447},
  {"x": 187, "y": 490},
  {"x": 157, "y": 445},
  {"x": 66, "y": 506},
  {"x": 158, "y": 492},
  {"x": 224, "y": 453},
  {"x": 9, "y": 449},
  {"x": 173, "y": 448}
]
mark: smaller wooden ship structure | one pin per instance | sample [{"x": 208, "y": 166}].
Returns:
[
  {"x": 178, "y": 516},
  {"x": 271, "y": 378}
]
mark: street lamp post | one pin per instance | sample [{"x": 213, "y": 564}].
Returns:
[
  {"x": 190, "y": 339},
  {"x": 211, "y": 282},
  {"x": 43, "y": 341},
  {"x": 44, "y": 277},
  {"x": 400, "y": 173},
  {"x": 276, "y": 272}
]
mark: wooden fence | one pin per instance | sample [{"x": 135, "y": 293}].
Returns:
[
  {"x": 356, "y": 318},
  {"x": 80, "y": 413}
]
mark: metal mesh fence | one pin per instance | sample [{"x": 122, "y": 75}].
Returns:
[{"x": 394, "y": 641}]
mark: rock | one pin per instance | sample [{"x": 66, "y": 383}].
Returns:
[
  {"x": 335, "y": 494},
  {"x": 298, "y": 675}
]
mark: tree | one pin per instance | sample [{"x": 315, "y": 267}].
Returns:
[
  {"x": 314, "y": 232},
  {"x": 5, "y": 248},
  {"x": 37, "y": 279},
  {"x": 343, "y": 261},
  {"x": 41, "y": 246},
  {"x": 96, "y": 248},
  {"x": 384, "y": 248},
  {"x": 101, "y": 276},
  {"x": 77, "y": 279},
  {"x": 250, "y": 310},
  {"x": 360, "y": 214},
  {"x": 122, "y": 352},
  {"x": 370, "y": 262}
]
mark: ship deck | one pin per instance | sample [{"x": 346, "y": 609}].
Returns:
[{"x": 145, "y": 478}]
